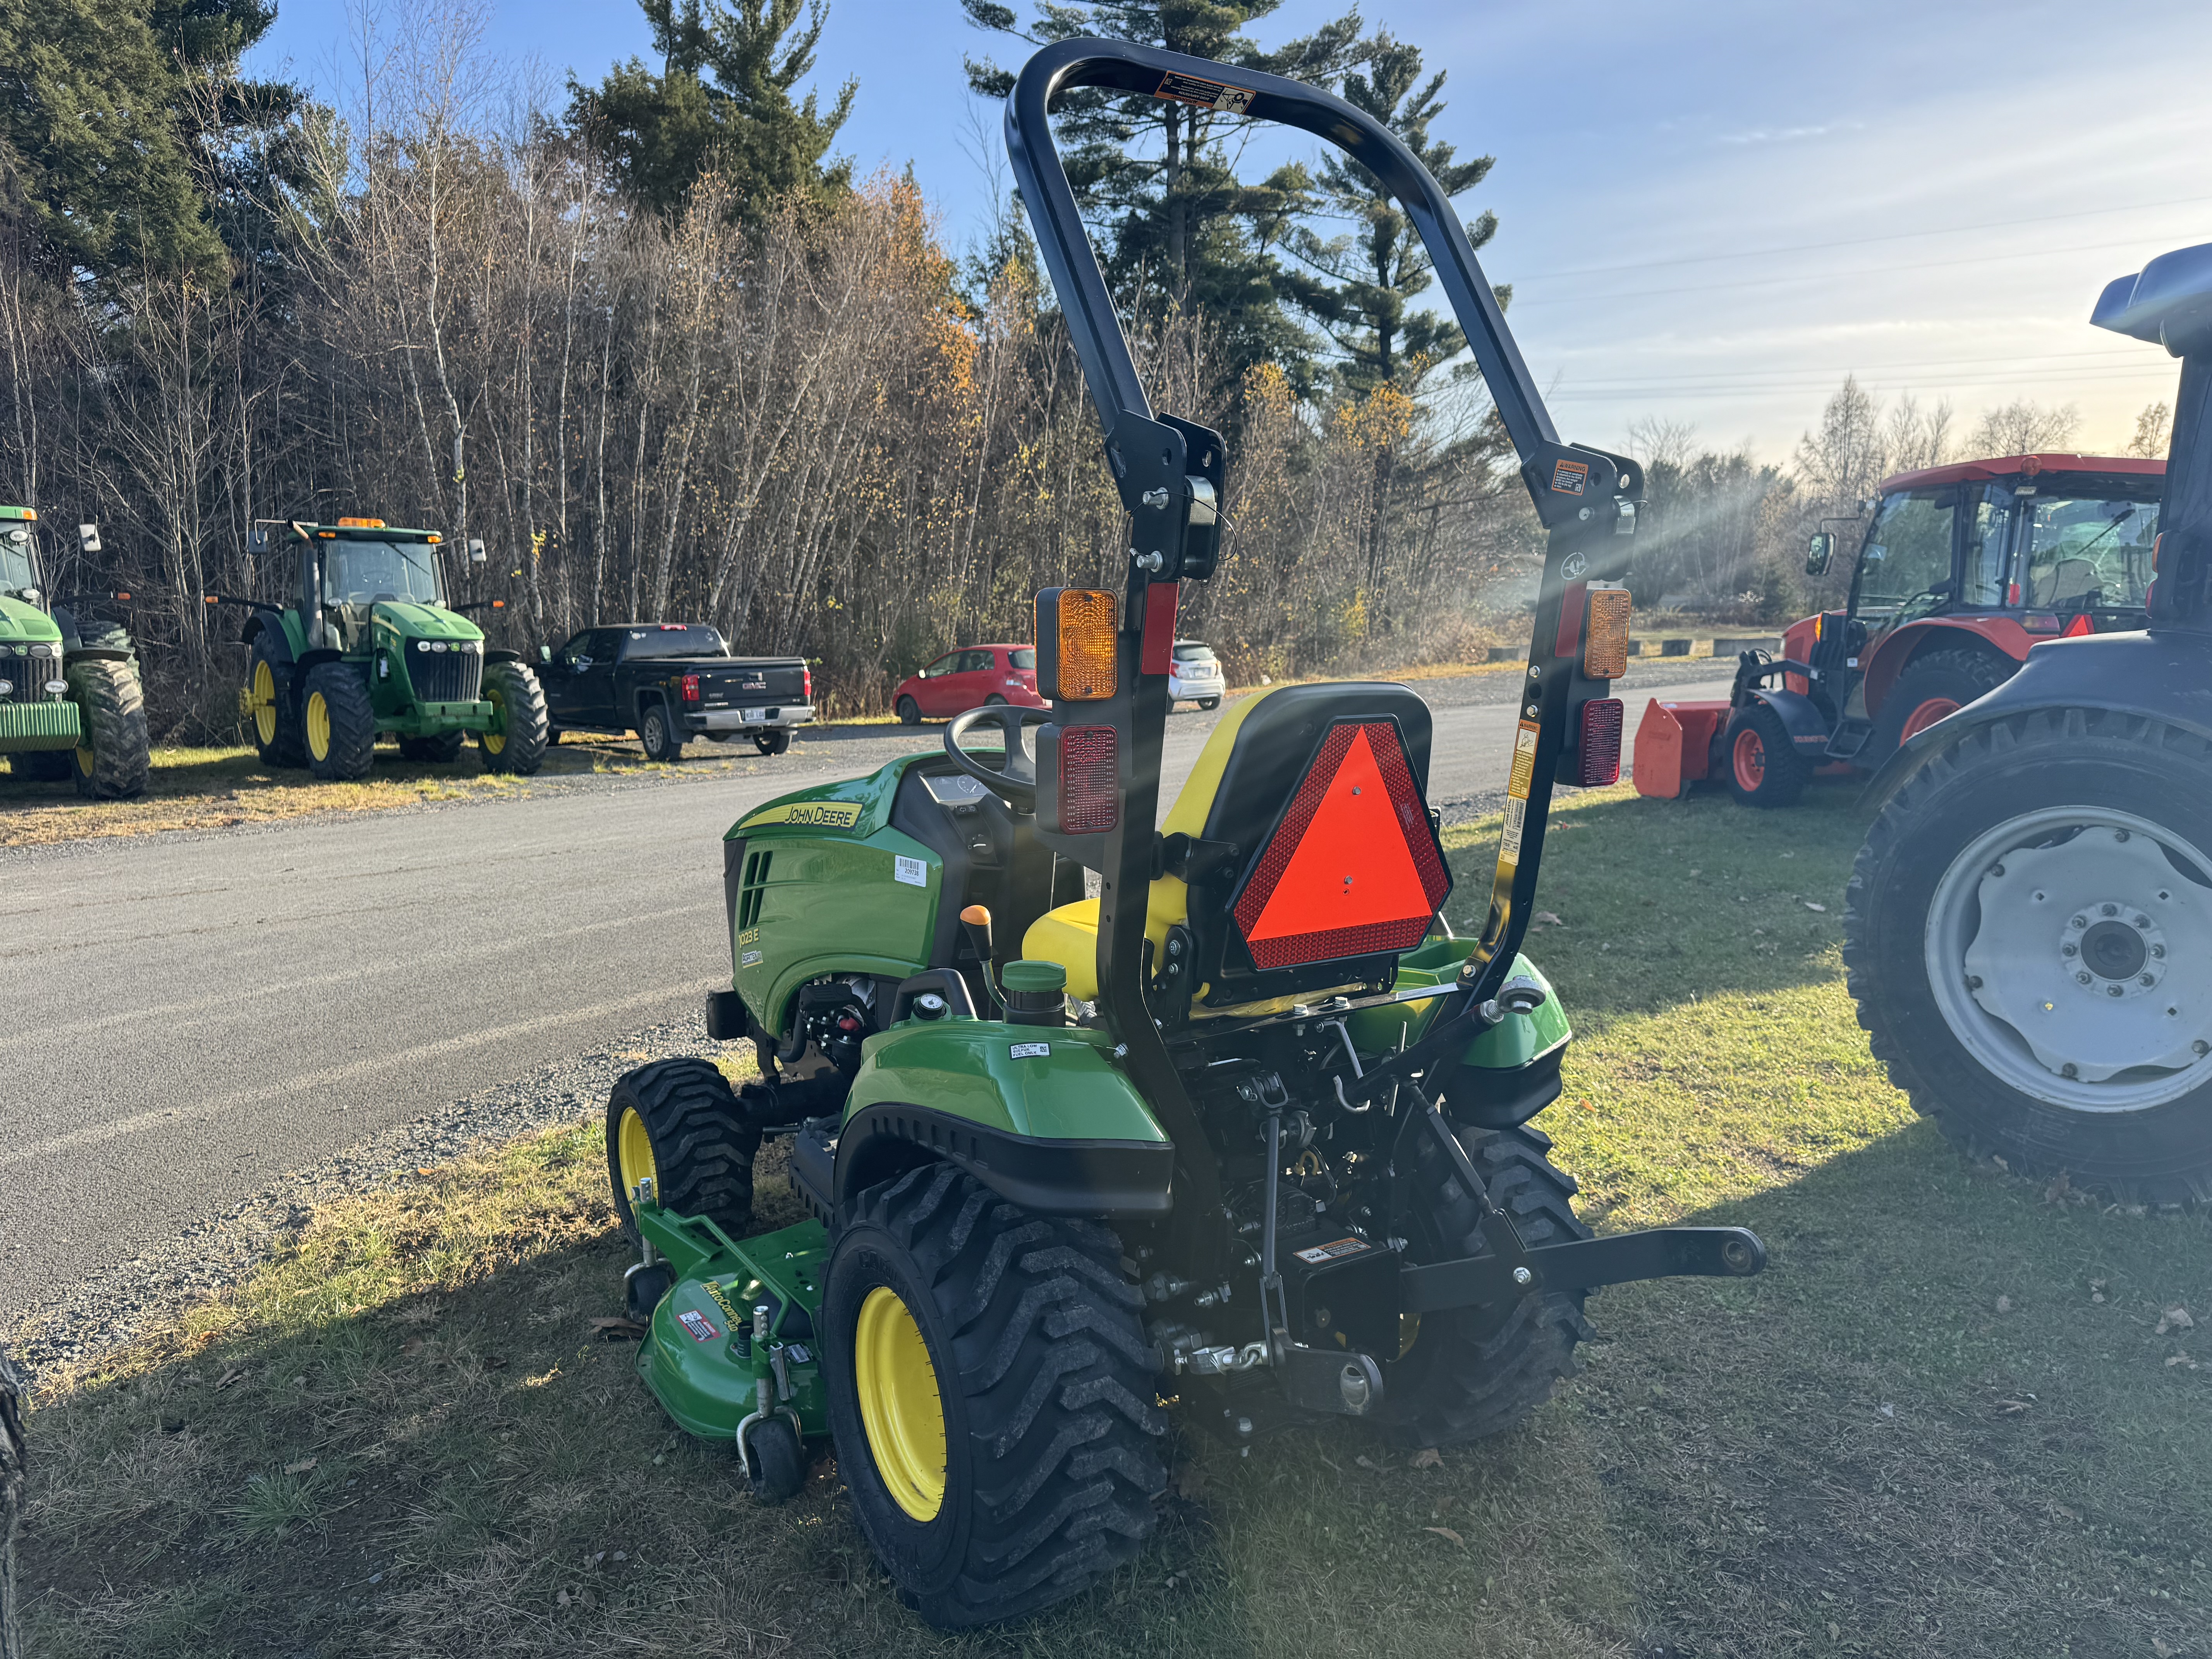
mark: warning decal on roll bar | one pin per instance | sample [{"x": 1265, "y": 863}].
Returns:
[
  {"x": 1524, "y": 762},
  {"x": 1189, "y": 89},
  {"x": 1509, "y": 847}
]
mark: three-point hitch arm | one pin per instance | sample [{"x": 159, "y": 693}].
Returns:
[{"x": 1172, "y": 474}]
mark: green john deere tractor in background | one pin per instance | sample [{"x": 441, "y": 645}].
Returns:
[
  {"x": 1246, "y": 1135},
  {"x": 366, "y": 644},
  {"x": 70, "y": 702}
]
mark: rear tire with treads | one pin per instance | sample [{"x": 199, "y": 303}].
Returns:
[
  {"x": 340, "y": 723},
  {"x": 678, "y": 1120},
  {"x": 272, "y": 721},
  {"x": 113, "y": 758},
  {"x": 1931, "y": 680},
  {"x": 1031, "y": 1339},
  {"x": 1453, "y": 1382}
]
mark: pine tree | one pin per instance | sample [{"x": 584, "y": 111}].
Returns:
[
  {"x": 1357, "y": 284},
  {"x": 88, "y": 136},
  {"x": 722, "y": 100},
  {"x": 1155, "y": 177}
]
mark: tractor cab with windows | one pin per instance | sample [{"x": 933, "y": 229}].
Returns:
[{"x": 1960, "y": 570}]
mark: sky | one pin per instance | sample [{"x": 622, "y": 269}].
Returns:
[{"x": 1710, "y": 213}]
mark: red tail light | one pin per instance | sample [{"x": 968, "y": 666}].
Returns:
[
  {"x": 806, "y": 685},
  {"x": 691, "y": 688},
  {"x": 1601, "y": 742},
  {"x": 1090, "y": 778}
]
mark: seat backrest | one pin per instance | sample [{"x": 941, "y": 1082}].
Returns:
[{"x": 1322, "y": 789}]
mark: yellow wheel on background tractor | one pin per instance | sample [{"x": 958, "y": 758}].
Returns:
[
  {"x": 261, "y": 703},
  {"x": 318, "y": 726},
  {"x": 900, "y": 1405}
]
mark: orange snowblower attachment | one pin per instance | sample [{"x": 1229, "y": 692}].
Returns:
[{"x": 1674, "y": 746}]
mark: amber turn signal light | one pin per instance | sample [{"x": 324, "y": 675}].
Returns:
[
  {"x": 1605, "y": 636},
  {"x": 1076, "y": 645}
]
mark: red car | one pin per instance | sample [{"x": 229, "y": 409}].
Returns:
[{"x": 968, "y": 678}]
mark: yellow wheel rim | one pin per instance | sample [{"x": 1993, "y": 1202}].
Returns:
[
  {"x": 494, "y": 737},
  {"x": 900, "y": 1406},
  {"x": 262, "y": 700},
  {"x": 84, "y": 760},
  {"x": 633, "y": 1153},
  {"x": 318, "y": 726}
]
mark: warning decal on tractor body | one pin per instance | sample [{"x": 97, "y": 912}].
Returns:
[
  {"x": 1570, "y": 477},
  {"x": 1212, "y": 94},
  {"x": 1508, "y": 844},
  {"x": 701, "y": 1327},
  {"x": 1342, "y": 1247}
]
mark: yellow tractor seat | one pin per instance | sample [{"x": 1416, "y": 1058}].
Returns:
[{"x": 1238, "y": 792}]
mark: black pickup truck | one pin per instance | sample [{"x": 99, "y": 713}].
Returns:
[{"x": 670, "y": 681}]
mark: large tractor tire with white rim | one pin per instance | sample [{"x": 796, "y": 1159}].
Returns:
[{"x": 2026, "y": 936}]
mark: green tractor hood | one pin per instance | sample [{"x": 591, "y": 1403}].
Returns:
[
  {"x": 22, "y": 623},
  {"x": 423, "y": 621}
]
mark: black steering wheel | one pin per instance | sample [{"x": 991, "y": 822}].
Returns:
[{"x": 1015, "y": 781}]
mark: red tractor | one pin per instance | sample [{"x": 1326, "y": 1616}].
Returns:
[{"x": 1962, "y": 568}]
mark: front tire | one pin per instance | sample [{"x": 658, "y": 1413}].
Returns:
[
  {"x": 909, "y": 712},
  {"x": 340, "y": 723},
  {"x": 779, "y": 1460},
  {"x": 515, "y": 740},
  {"x": 678, "y": 1121},
  {"x": 1961, "y": 949},
  {"x": 1761, "y": 765},
  {"x": 113, "y": 757},
  {"x": 1452, "y": 1381},
  {"x": 992, "y": 1395}
]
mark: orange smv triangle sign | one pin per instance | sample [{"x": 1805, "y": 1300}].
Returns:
[{"x": 1352, "y": 867}]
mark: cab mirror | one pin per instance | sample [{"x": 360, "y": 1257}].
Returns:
[{"x": 1817, "y": 552}]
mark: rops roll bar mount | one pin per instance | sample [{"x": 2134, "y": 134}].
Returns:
[{"x": 1586, "y": 498}]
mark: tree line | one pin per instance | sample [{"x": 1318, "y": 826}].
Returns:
[{"x": 651, "y": 343}]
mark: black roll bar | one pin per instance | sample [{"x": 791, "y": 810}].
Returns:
[
  {"x": 1586, "y": 498},
  {"x": 1107, "y": 365}
]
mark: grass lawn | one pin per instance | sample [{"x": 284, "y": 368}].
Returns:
[{"x": 1946, "y": 1421}]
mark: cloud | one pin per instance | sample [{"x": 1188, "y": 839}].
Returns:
[{"x": 1788, "y": 135}]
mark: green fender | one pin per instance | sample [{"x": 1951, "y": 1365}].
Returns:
[{"x": 1042, "y": 1114}]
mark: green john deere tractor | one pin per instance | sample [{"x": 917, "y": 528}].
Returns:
[
  {"x": 71, "y": 704},
  {"x": 366, "y": 644},
  {"x": 1246, "y": 1135}
]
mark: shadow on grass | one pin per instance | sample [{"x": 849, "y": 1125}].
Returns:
[{"x": 1944, "y": 1421}]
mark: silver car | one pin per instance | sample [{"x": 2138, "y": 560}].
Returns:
[{"x": 1193, "y": 676}]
